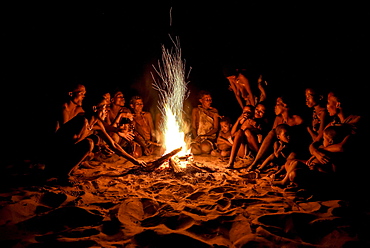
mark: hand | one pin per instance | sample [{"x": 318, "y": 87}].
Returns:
[
  {"x": 127, "y": 135},
  {"x": 140, "y": 162},
  {"x": 148, "y": 151},
  {"x": 322, "y": 158},
  {"x": 259, "y": 80},
  {"x": 106, "y": 150},
  {"x": 281, "y": 147},
  {"x": 309, "y": 161},
  {"x": 199, "y": 139}
]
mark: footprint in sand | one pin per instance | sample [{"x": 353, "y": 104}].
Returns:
[
  {"x": 181, "y": 221},
  {"x": 302, "y": 228},
  {"x": 134, "y": 210}
]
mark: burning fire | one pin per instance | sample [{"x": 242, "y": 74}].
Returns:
[{"x": 172, "y": 89}]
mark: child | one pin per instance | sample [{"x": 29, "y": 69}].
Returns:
[
  {"x": 282, "y": 150},
  {"x": 224, "y": 140},
  {"x": 298, "y": 173},
  {"x": 332, "y": 135}
]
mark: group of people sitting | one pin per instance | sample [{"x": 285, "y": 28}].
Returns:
[
  {"x": 102, "y": 125},
  {"x": 320, "y": 149}
]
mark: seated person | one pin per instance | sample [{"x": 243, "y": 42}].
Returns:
[
  {"x": 338, "y": 109},
  {"x": 119, "y": 122},
  {"x": 341, "y": 107},
  {"x": 224, "y": 140},
  {"x": 144, "y": 128},
  {"x": 245, "y": 140},
  {"x": 331, "y": 135},
  {"x": 283, "y": 151},
  {"x": 284, "y": 114},
  {"x": 312, "y": 174},
  {"x": 72, "y": 105},
  {"x": 205, "y": 124},
  {"x": 117, "y": 107},
  {"x": 320, "y": 115},
  {"x": 75, "y": 140}
]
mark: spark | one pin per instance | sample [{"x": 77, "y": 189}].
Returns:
[
  {"x": 172, "y": 91},
  {"x": 171, "y": 16}
]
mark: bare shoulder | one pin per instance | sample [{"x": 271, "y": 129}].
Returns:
[
  {"x": 195, "y": 110},
  {"x": 298, "y": 119},
  {"x": 79, "y": 110}
]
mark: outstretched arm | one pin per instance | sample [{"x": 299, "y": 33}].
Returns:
[
  {"x": 116, "y": 147},
  {"x": 261, "y": 87},
  {"x": 236, "y": 91},
  {"x": 243, "y": 81}
]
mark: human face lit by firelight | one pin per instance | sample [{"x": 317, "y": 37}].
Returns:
[
  {"x": 247, "y": 112},
  {"x": 119, "y": 99},
  {"x": 138, "y": 105},
  {"x": 102, "y": 111},
  {"x": 332, "y": 104},
  {"x": 259, "y": 111},
  {"x": 284, "y": 136},
  {"x": 225, "y": 126},
  {"x": 206, "y": 101},
  {"x": 280, "y": 106},
  {"x": 78, "y": 95},
  {"x": 311, "y": 98}
]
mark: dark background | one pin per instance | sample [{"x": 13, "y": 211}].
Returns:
[{"x": 103, "y": 45}]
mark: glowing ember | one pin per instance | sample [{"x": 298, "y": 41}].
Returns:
[{"x": 172, "y": 89}]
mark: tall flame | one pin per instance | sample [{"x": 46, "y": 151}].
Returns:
[{"x": 172, "y": 89}]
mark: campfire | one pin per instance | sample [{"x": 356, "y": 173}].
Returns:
[{"x": 172, "y": 90}]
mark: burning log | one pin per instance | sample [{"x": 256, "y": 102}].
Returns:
[
  {"x": 174, "y": 162},
  {"x": 151, "y": 166}
]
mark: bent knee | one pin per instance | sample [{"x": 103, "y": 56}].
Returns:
[{"x": 206, "y": 147}]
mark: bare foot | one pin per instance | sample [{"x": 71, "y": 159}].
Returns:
[
  {"x": 215, "y": 153},
  {"x": 230, "y": 166}
]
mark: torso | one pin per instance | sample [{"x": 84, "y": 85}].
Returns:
[{"x": 142, "y": 124}]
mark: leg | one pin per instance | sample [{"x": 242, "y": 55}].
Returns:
[
  {"x": 252, "y": 140},
  {"x": 65, "y": 159},
  {"x": 206, "y": 147},
  {"x": 238, "y": 139},
  {"x": 267, "y": 161},
  {"x": 224, "y": 150},
  {"x": 290, "y": 167},
  {"x": 195, "y": 149},
  {"x": 265, "y": 147},
  {"x": 225, "y": 153},
  {"x": 137, "y": 151}
]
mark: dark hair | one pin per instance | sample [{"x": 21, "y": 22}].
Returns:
[
  {"x": 288, "y": 100},
  {"x": 250, "y": 106},
  {"x": 230, "y": 71},
  {"x": 319, "y": 93},
  {"x": 93, "y": 100},
  {"x": 225, "y": 119},
  {"x": 115, "y": 91},
  {"x": 281, "y": 127},
  {"x": 134, "y": 98},
  {"x": 203, "y": 93},
  {"x": 342, "y": 96},
  {"x": 336, "y": 133}
]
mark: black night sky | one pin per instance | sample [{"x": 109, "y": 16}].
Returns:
[{"x": 107, "y": 45}]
